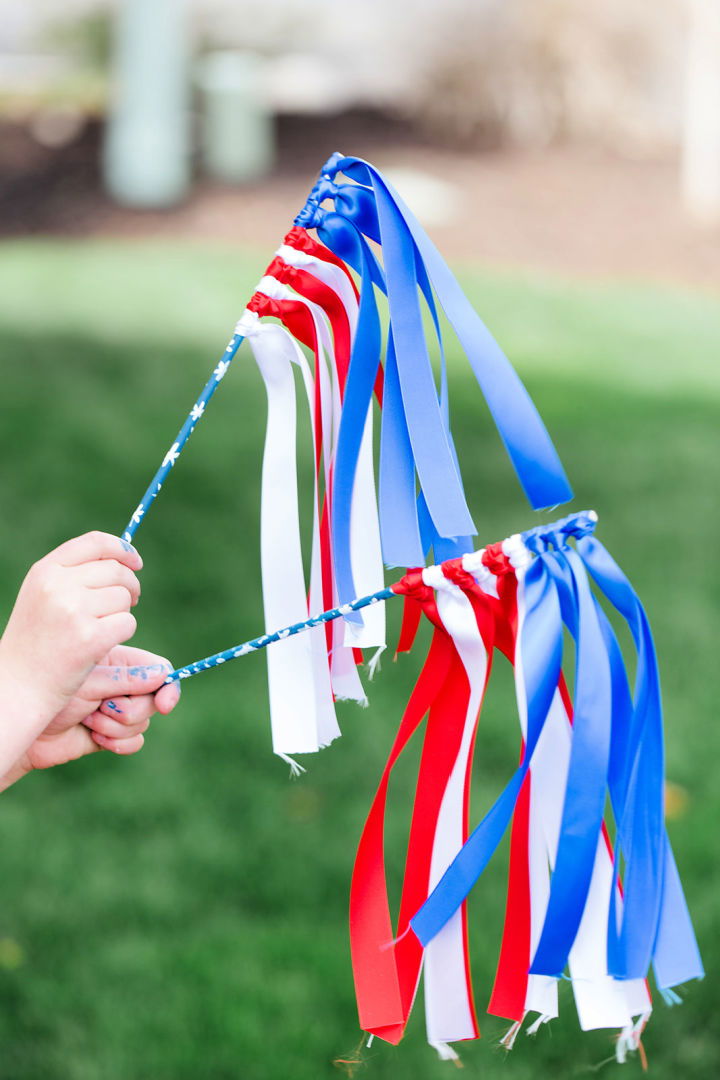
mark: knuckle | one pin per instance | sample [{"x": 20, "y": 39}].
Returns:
[
  {"x": 93, "y": 540},
  {"x": 40, "y": 577},
  {"x": 71, "y": 616},
  {"x": 36, "y": 570},
  {"x": 85, "y": 631},
  {"x": 129, "y": 715},
  {"x": 126, "y": 577}
]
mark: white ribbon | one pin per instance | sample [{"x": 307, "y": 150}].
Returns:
[
  {"x": 365, "y": 548},
  {"x": 327, "y": 272},
  {"x": 448, "y": 1002},
  {"x": 542, "y": 993},
  {"x": 301, "y": 706}
]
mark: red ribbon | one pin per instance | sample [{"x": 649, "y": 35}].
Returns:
[
  {"x": 386, "y": 978},
  {"x": 301, "y": 239},
  {"x": 384, "y": 997},
  {"x": 298, "y": 320},
  {"x": 327, "y": 298}
]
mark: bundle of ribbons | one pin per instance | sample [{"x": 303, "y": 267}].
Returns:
[{"x": 592, "y": 891}]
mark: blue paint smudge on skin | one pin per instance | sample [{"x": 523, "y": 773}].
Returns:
[
  {"x": 111, "y": 705},
  {"x": 144, "y": 671}
]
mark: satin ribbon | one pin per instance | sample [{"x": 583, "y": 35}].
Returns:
[
  {"x": 635, "y": 782},
  {"x": 543, "y": 658},
  {"x": 406, "y": 436},
  {"x": 451, "y": 688},
  {"x": 297, "y": 317},
  {"x": 510, "y": 996},
  {"x": 362, "y": 377},
  {"x": 449, "y": 1005},
  {"x": 386, "y": 978},
  {"x": 655, "y": 922},
  {"x": 557, "y": 592},
  {"x": 303, "y": 243},
  {"x": 601, "y": 1000},
  {"x": 303, "y": 252},
  {"x": 301, "y": 701},
  {"x": 306, "y": 322},
  {"x": 586, "y": 784},
  {"x": 523, "y": 433},
  {"x": 366, "y": 630}
]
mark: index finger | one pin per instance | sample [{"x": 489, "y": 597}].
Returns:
[
  {"x": 132, "y": 655},
  {"x": 96, "y": 545},
  {"x": 109, "y": 681}
]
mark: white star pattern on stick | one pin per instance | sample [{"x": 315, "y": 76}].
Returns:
[
  {"x": 221, "y": 369},
  {"x": 137, "y": 515},
  {"x": 198, "y": 410},
  {"x": 171, "y": 456}
]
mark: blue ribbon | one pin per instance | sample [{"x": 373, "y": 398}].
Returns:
[
  {"x": 343, "y": 237},
  {"x": 402, "y": 542},
  {"x": 655, "y": 923},
  {"x": 443, "y": 547},
  {"x": 616, "y": 745},
  {"x": 525, "y": 436},
  {"x": 416, "y": 432},
  {"x": 542, "y": 657},
  {"x": 588, "y": 766},
  {"x": 407, "y": 530}
]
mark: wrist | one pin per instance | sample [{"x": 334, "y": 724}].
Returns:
[
  {"x": 21, "y": 684},
  {"x": 26, "y": 709}
]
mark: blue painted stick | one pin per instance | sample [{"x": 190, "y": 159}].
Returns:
[
  {"x": 267, "y": 639},
  {"x": 578, "y": 524},
  {"x": 184, "y": 434}
]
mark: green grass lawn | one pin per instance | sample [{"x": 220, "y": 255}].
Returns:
[{"x": 182, "y": 915}]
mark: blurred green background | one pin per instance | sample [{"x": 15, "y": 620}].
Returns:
[{"x": 182, "y": 914}]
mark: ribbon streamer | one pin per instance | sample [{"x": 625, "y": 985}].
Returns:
[
  {"x": 301, "y": 702},
  {"x": 529, "y": 598}
]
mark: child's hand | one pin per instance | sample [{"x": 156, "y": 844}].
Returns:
[
  {"x": 72, "y": 609},
  {"x": 111, "y": 711}
]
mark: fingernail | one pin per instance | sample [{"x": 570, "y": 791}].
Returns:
[
  {"x": 129, "y": 547},
  {"x": 115, "y": 708}
]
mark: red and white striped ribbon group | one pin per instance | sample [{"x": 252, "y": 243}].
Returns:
[
  {"x": 314, "y": 299},
  {"x": 477, "y": 605}
]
